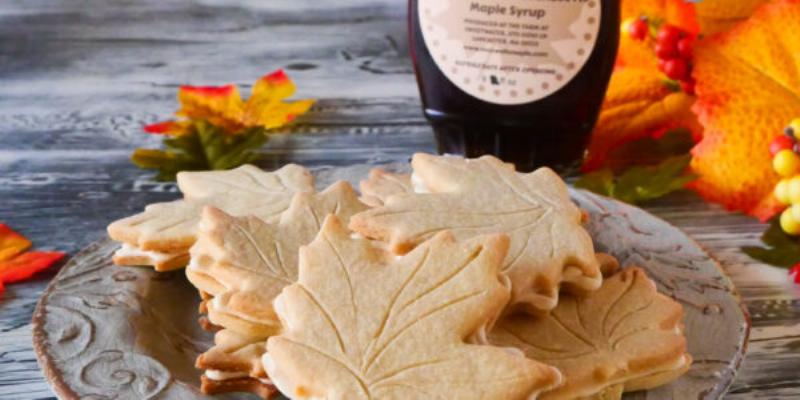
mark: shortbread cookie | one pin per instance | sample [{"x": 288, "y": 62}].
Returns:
[
  {"x": 623, "y": 337},
  {"x": 244, "y": 263},
  {"x": 234, "y": 353},
  {"x": 234, "y": 365},
  {"x": 549, "y": 246},
  {"x": 247, "y": 178},
  {"x": 360, "y": 324},
  {"x": 263, "y": 389},
  {"x": 380, "y": 185},
  {"x": 162, "y": 235},
  {"x": 128, "y": 255}
]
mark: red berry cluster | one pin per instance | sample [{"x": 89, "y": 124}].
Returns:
[{"x": 674, "y": 48}]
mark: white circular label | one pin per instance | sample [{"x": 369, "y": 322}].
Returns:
[{"x": 510, "y": 51}]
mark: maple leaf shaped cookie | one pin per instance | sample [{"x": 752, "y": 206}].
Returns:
[
  {"x": 164, "y": 232},
  {"x": 234, "y": 352},
  {"x": 549, "y": 247},
  {"x": 234, "y": 365},
  {"x": 248, "y": 179},
  {"x": 360, "y": 324},
  {"x": 246, "y": 262},
  {"x": 381, "y": 184},
  {"x": 623, "y": 337}
]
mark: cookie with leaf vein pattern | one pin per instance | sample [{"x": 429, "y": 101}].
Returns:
[
  {"x": 381, "y": 184},
  {"x": 244, "y": 262},
  {"x": 623, "y": 337},
  {"x": 234, "y": 365},
  {"x": 361, "y": 323},
  {"x": 162, "y": 234},
  {"x": 550, "y": 249},
  {"x": 291, "y": 178}
]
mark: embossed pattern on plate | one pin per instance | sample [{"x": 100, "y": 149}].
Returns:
[{"x": 102, "y": 331}]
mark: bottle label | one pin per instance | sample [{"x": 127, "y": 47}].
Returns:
[{"x": 510, "y": 51}]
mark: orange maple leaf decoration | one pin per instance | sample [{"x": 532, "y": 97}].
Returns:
[
  {"x": 15, "y": 263},
  {"x": 224, "y": 107},
  {"x": 639, "y": 103},
  {"x": 676, "y": 12},
  {"x": 716, "y": 16},
  {"x": 748, "y": 87}
]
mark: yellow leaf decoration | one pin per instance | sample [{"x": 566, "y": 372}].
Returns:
[
  {"x": 748, "y": 89},
  {"x": 266, "y": 107},
  {"x": 11, "y": 243},
  {"x": 223, "y": 107},
  {"x": 360, "y": 324}
]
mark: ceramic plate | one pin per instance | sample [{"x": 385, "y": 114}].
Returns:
[{"x": 102, "y": 331}]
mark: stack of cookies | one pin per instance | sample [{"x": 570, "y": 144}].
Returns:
[{"x": 465, "y": 279}]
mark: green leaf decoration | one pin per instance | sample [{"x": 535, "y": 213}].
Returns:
[
  {"x": 641, "y": 183},
  {"x": 650, "y": 151},
  {"x": 781, "y": 250},
  {"x": 206, "y": 147}
]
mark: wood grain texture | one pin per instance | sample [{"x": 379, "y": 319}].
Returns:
[{"x": 77, "y": 80}]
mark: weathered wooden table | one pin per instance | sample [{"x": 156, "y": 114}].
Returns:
[{"x": 78, "y": 80}]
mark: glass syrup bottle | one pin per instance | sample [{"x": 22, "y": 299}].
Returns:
[{"x": 519, "y": 79}]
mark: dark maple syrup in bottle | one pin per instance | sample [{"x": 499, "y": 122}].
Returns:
[{"x": 519, "y": 79}]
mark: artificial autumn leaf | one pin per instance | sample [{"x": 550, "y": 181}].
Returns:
[
  {"x": 641, "y": 183},
  {"x": 650, "y": 151},
  {"x": 26, "y": 265},
  {"x": 217, "y": 129},
  {"x": 172, "y": 227},
  {"x": 716, "y": 16},
  {"x": 636, "y": 54},
  {"x": 223, "y": 107},
  {"x": 549, "y": 246},
  {"x": 625, "y": 333},
  {"x": 16, "y": 264},
  {"x": 246, "y": 262},
  {"x": 781, "y": 250},
  {"x": 205, "y": 147},
  {"x": 362, "y": 325},
  {"x": 11, "y": 243},
  {"x": 680, "y": 13},
  {"x": 748, "y": 89},
  {"x": 638, "y": 103},
  {"x": 641, "y": 101}
]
